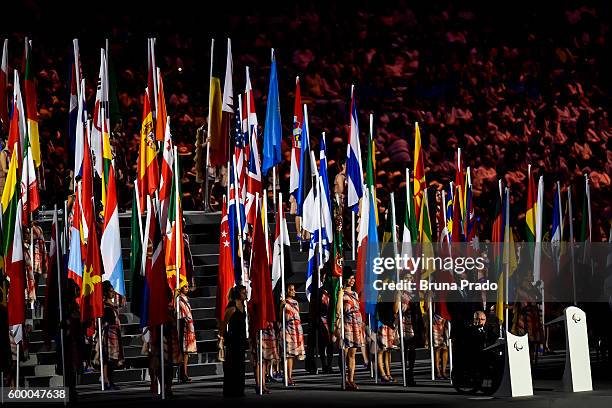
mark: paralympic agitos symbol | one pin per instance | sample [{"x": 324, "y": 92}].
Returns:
[
  {"x": 517, "y": 346},
  {"x": 575, "y": 318}
]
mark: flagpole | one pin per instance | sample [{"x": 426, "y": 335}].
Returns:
[
  {"x": 240, "y": 241},
  {"x": 261, "y": 371},
  {"x": 353, "y": 234},
  {"x": 101, "y": 355},
  {"x": 425, "y": 207},
  {"x": 17, "y": 368},
  {"x": 162, "y": 363},
  {"x": 342, "y": 355},
  {"x": 506, "y": 305},
  {"x": 264, "y": 218},
  {"x": 206, "y": 198},
  {"x": 177, "y": 245},
  {"x": 397, "y": 277},
  {"x": 59, "y": 290},
  {"x": 571, "y": 240},
  {"x": 281, "y": 228},
  {"x": 448, "y": 237}
]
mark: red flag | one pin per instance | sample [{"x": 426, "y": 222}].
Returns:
[
  {"x": 91, "y": 292},
  {"x": 261, "y": 303},
  {"x": 148, "y": 171},
  {"x": 225, "y": 278},
  {"x": 87, "y": 189},
  {"x": 155, "y": 272}
]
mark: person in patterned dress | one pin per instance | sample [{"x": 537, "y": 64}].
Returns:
[
  {"x": 386, "y": 312},
  {"x": 353, "y": 325},
  {"x": 294, "y": 335},
  {"x": 187, "y": 336},
  {"x": 112, "y": 347}
]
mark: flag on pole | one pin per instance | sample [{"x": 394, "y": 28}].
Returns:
[
  {"x": 138, "y": 284},
  {"x": 227, "y": 107},
  {"x": 31, "y": 104},
  {"x": 305, "y": 191},
  {"x": 75, "y": 257},
  {"x": 91, "y": 292},
  {"x": 151, "y": 77},
  {"x": 410, "y": 232},
  {"x": 79, "y": 133},
  {"x": 12, "y": 245},
  {"x": 162, "y": 115},
  {"x": 281, "y": 228},
  {"x": 362, "y": 247},
  {"x": 166, "y": 181},
  {"x": 296, "y": 140},
  {"x": 87, "y": 207},
  {"x": 585, "y": 227},
  {"x": 354, "y": 168},
  {"x": 4, "y": 113},
  {"x": 148, "y": 173},
  {"x": 370, "y": 294},
  {"x": 18, "y": 127},
  {"x": 327, "y": 228},
  {"x": 557, "y": 218},
  {"x": 262, "y": 302},
  {"x": 532, "y": 208},
  {"x": 419, "y": 173},
  {"x": 111, "y": 240},
  {"x": 273, "y": 129},
  {"x": 155, "y": 271},
  {"x": 425, "y": 235},
  {"x": 225, "y": 277},
  {"x": 370, "y": 179},
  {"x": 175, "y": 263},
  {"x": 100, "y": 107},
  {"x": 218, "y": 141},
  {"x": 73, "y": 105},
  {"x": 30, "y": 198}
]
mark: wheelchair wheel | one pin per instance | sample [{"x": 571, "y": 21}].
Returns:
[{"x": 466, "y": 381}]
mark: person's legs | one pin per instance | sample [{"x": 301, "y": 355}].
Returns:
[
  {"x": 388, "y": 363},
  {"x": 437, "y": 362},
  {"x": 411, "y": 360},
  {"x": 444, "y": 362},
  {"x": 351, "y": 364},
  {"x": 381, "y": 365},
  {"x": 290, "y": 369}
]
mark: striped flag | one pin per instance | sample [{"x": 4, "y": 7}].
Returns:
[
  {"x": 167, "y": 164},
  {"x": 296, "y": 140},
  {"x": 12, "y": 245},
  {"x": 253, "y": 168},
  {"x": 111, "y": 240},
  {"x": 80, "y": 133},
  {"x": 31, "y": 104},
  {"x": 354, "y": 168},
  {"x": 174, "y": 237},
  {"x": 100, "y": 109},
  {"x": 73, "y": 104},
  {"x": 409, "y": 236},
  {"x": 362, "y": 247}
]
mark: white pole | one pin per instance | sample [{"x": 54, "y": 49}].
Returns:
[
  {"x": 274, "y": 186},
  {"x": 507, "y": 303},
  {"x": 261, "y": 370},
  {"x": 353, "y": 234},
  {"x": 264, "y": 218},
  {"x": 177, "y": 247},
  {"x": 281, "y": 228},
  {"x": 59, "y": 290},
  {"x": 571, "y": 240},
  {"x": 101, "y": 355},
  {"x": 206, "y": 197},
  {"x": 397, "y": 278},
  {"x": 162, "y": 363},
  {"x": 17, "y": 372}
]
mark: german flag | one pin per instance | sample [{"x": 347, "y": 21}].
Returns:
[
  {"x": 31, "y": 104},
  {"x": 218, "y": 153}
]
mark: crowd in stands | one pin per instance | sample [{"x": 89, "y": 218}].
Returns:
[{"x": 527, "y": 84}]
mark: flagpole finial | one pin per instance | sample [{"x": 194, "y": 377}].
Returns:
[{"x": 297, "y": 79}]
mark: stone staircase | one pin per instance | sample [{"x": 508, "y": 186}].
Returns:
[{"x": 203, "y": 231}]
